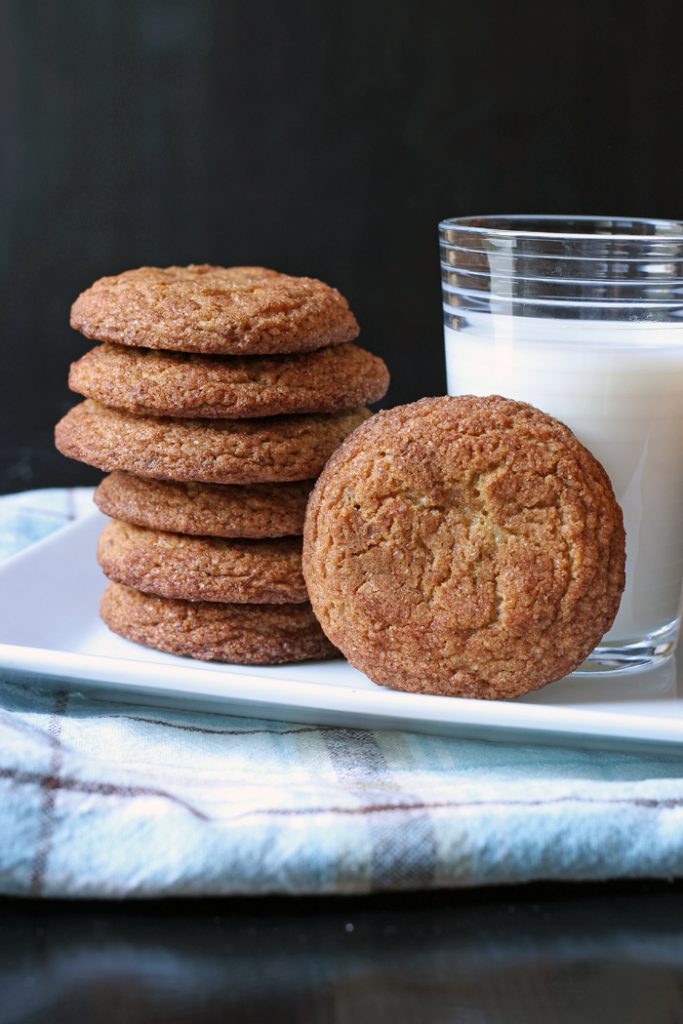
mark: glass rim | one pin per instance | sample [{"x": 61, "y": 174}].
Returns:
[{"x": 490, "y": 225}]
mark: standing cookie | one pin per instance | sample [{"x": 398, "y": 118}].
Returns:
[{"x": 464, "y": 546}]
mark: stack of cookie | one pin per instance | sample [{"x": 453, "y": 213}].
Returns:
[{"x": 215, "y": 400}]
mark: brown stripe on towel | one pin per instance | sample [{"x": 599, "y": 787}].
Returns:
[
  {"x": 68, "y": 785},
  {"x": 222, "y": 732}
]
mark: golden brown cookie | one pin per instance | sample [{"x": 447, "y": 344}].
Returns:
[
  {"x": 177, "y": 384},
  {"x": 208, "y": 451},
  {"x": 229, "y": 310},
  {"x": 464, "y": 546},
  {"x": 203, "y": 568},
  {"x": 206, "y": 510},
  {"x": 244, "y": 634}
]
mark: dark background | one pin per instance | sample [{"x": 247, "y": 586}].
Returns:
[{"x": 315, "y": 137}]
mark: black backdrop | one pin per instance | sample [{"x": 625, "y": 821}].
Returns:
[{"x": 321, "y": 138}]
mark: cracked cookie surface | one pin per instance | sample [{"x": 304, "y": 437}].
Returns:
[
  {"x": 239, "y": 633},
  {"x": 279, "y": 448},
  {"x": 464, "y": 546},
  {"x": 206, "y": 510},
  {"x": 203, "y": 308},
  {"x": 178, "y": 384},
  {"x": 203, "y": 568}
]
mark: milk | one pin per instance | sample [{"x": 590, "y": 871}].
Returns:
[{"x": 619, "y": 386}]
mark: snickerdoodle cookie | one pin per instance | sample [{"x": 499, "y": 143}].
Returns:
[
  {"x": 464, "y": 546},
  {"x": 236, "y": 310},
  {"x": 278, "y": 448},
  {"x": 206, "y": 510},
  {"x": 244, "y": 634},
  {"x": 203, "y": 568},
  {"x": 178, "y": 384}
]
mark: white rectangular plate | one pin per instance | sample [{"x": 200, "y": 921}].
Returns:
[{"x": 50, "y": 630}]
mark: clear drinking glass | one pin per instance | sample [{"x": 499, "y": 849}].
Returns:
[{"x": 583, "y": 317}]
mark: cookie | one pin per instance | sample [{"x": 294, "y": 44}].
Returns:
[
  {"x": 206, "y": 510},
  {"x": 464, "y": 546},
  {"x": 203, "y": 568},
  {"x": 243, "y": 634},
  {"x": 229, "y": 310},
  {"x": 177, "y": 384},
  {"x": 281, "y": 448}
]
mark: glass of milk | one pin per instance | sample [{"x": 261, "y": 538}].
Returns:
[{"x": 583, "y": 317}]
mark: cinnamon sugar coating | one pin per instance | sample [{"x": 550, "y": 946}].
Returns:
[
  {"x": 203, "y": 568},
  {"x": 202, "y": 308},
  {"x": 464, "y": 546},
  {"x": 243, "y": 634},
  {"x": 206, "y": 510},
  {"x": 155, "y": 383},
  {"x": 279, "y": 448}
]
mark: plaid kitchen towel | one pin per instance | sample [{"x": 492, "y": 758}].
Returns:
[{"x": 107, "y": 800}]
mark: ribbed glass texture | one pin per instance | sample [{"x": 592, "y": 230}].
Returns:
[{"x": 578, "y": 267}]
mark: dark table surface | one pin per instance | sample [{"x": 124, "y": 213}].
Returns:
[{"x": 538, "y": 953}]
